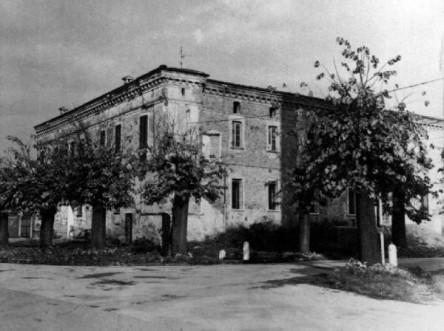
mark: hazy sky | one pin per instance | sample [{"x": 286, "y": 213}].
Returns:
[{"x": 64, "y": 52}]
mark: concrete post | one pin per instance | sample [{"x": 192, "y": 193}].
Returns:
[
  {"x": 393, "y": 255},
  {"x": 246, "y": 251}
]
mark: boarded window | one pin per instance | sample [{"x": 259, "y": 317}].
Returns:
[
  {"x": 236, "y": 194},
  {"x": 236, "y": 134},
  {"x": 143, "y": 132},
  {"x": 117, "y": 138},
  {"x": 211, "y": 145}
]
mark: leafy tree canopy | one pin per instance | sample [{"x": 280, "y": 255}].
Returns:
[
  {"x": 31, "y": 184},
  {"x": 177, "y": 166},
  {"x": 100, "y": 176},
  {"x": 358, "y": 142},
  {"x": 90, "y": 174}
]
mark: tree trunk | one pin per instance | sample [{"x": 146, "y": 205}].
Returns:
[
  {"x": 304, "y": 234},
  {"x": 98, "y": 227},
  {"x": 47, "y": 227},
  {"x": 4, "y": 234},
  {"x": 180, "y": 223},
  {"x": 166, "y": 234},
  {"x": 399, "y": 237},
  {"x": 369, "y": 247}
]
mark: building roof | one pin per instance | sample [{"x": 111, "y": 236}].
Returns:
[
  {"x": 133, "y": 87},
  {"x": 115, "y": 93}
]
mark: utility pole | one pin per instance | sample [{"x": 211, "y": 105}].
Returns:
[{"x": 441, "y": 69}]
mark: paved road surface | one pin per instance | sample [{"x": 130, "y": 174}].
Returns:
[{"x": 220, "y": 297}]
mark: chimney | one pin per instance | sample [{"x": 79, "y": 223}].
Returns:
[
  {"x": 63, "y": 109},
  {"x": 127, "y": 79}
]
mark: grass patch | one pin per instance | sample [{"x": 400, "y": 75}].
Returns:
[{"x": 384, "y": 282}]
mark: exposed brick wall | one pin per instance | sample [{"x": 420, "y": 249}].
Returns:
[{"x": 190, "y": 99}]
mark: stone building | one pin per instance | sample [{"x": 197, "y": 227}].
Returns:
[{"x": 250, "y": 129}]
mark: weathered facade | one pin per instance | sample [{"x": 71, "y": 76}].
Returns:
[{"x": 250, "y": 129}]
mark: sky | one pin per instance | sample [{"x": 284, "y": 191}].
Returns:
[{"x": 57, "y": 53}]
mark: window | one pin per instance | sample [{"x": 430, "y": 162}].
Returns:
[
  {"x": 236, "y": 134},
  {"x": 351, "y": 202},
  {"x": 236, "y": 194},
  {"x": 272, "y": 138},
  {"x": 272, "y": 111},
  {"x": 143, "y": 132},
  {"x": 272, "y": 196},
  {"x": 236, "y": 107},
  {"x": 117, "y": 138},
  {"x": 314, "y": 208},
  {"x": 102, "y": 138},
  {"x": 182, "y": 91},
  {"x": 211, "y": 145},
  {"x": 79, "y": 211}
]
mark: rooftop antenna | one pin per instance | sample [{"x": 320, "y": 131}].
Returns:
[{"x": 182, "y": 56}]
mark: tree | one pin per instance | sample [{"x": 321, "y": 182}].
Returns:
[
  {"x": 359, "y": 143},
  {"x": 35, "y": 185},
  {"x": 4, "y": 234},
  {"x": 177, "y": 170},
  {"x": 89, "y": 175},
  {"x": 100, "y": 177}
]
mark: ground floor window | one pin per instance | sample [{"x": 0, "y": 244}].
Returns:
[
  {"x": 314, "y": 208},
  {"x": 236, "y": 193},
  {"x": 272, "y": 196},
  {"x": 351, "y": 202}
]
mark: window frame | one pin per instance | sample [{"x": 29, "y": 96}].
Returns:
[
  {"x": 240, "y": 194},
  {"x": 241, "y": 122},
  {"x": 272, "y": 199},
  {"x": 270, "y": 136}
]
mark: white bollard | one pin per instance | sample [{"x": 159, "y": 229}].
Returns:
[
  {"x": 393, "y": 255},
  {"x": 246, "y": 251},
  {"x": 222, "y": 254}
]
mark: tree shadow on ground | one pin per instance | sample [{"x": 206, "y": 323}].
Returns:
[
  {"x": 379, "y": 286},
  {"x": 305, "y": 275}
]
